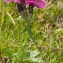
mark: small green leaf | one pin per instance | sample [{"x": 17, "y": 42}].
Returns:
[{"x": 33, "y": 54}]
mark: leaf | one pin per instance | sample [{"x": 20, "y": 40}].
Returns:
[{"x": 33, "y": 54}]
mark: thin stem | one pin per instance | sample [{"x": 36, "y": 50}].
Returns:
[
  {"x": 31, "y": 35},
  {"x": 29, "y": 28}
]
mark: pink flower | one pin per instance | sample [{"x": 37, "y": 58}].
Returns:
[
  {"x": 37, "y": 3},
  {"x": 13, "y": 0},
  {"x": 8, "y": 0}
]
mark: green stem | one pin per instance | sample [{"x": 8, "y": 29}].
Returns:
[
  {"x": 31, "y": 35},
  {"x": 24, "y": 14}
]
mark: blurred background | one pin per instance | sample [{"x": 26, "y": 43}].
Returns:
[{"x": 46, "y": 24}]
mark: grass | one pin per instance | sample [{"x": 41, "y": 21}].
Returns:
[{"x": 47, "y": 27}]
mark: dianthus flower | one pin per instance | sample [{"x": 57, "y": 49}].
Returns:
[{"x": 37, "y": 3}]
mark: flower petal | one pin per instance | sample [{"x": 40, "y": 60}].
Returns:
[
  {"x": 8, "y": 0},
  {"x": 18, "y": 1},
  {"x": 40, "y": 3},
  {"x": 29, "y": 1}
]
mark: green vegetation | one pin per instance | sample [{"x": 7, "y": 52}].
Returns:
[{"x": 16, "y": 44}]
